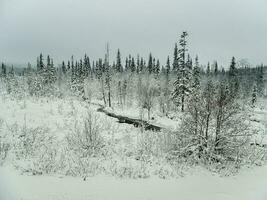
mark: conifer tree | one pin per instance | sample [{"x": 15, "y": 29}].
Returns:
[
  {"x": 157, "y": 67},
  {"x": 175, "y": 64},
  {"x": 64, "y": 70},
  {"x": 132, "y": 65},
  {"x": 68, "y": 66},
  {"x": 150, "y": 64},
  {"x": 182, "y": 83},
  {"x": 168, "y": 67},
  {"x": 118, "y": 62},
  {"x": 127, "y": 64},
  {"x": 40, "y": 63},
  {"x": 142, "y": 65},
  {"x": 4, "y": 70},
  {"x": 233, "y": 78},
  {"x": 208, "y": 69},
  {"x": 138, "y": 64},
  {"x": 215, "y": 68}
]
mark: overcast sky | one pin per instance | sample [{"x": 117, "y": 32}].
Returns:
[{"x": 218, "y": 29}]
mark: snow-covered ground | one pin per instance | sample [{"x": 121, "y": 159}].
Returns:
[
  {"x": 250, "y": 184},
  {"x": 60, "y": 117}
]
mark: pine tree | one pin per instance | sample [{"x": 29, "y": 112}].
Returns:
[
  {"x": 182, "y": 83},
  {"x": 168, "y": 67},
  {"x": 64, "y": 70},
  {"x": 208, "y": 69},
  {"x": 41, "y": 62},
  {"x": 215, "y": 68},
  {"x": 127, "y": 64},
  {"x": 68, "y": 66},
  {"x": 157, "y": 68},
  {"x": 118, "y": 62},
  {"x": 233, "y": 78},
  {"x": 142, "y": 65},
  {"x": 166, "y": 92},
  {"x": 48, "y": 62},
  {"x": 150, "y": 64},
  {"x": 133, "y": 69},
  {"x": 38, "y": 64},
  {"x": 4, "y": 70},
  {"x": 175, "y": 63},
  {"x": 138, "y": 64}
]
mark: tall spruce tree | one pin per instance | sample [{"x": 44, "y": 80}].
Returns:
[
  {"x": 118, "y": 62},
  {"x": 182, "y": 83},
  {"x": 150, "y": 64},
  {"x": 175, "y": 63},
  {"x": 168, "y": 67},
  {"x": 64, "y": 69},
  {"x": 215, "y": 68},
  {"x": 133, "y": 68},
  {"x": 233, "y": 78}
]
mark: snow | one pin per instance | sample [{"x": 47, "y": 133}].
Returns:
[
  {"x": 60, "y": 116},
  {"x": 250, "y": 184}
]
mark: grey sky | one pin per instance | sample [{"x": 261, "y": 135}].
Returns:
[{"x": 218, "y": 29}]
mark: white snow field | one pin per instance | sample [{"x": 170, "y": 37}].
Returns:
[
  {"x": 61, "y": 115},
  {"x": 247, "y": 185}
]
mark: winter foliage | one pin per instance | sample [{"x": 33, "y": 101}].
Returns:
[{"x": 203, "y": 113}]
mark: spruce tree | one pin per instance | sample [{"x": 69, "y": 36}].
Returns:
[
  {"x": 127, "y": 64},
  {"x": 175, "y": 63},
  {"x": 182, "y": 84},
  {"x": 3, "y": 70},
  {"x": 133, "y": 69},
  {"x": 142, "y": 65},
  {"x": 150, "y": 64},
  {"x": 41, "y": 62},
  {"x": 233, "y": 78},
  {"x": 208, "y": 69},
  {"x": 64, "y": 70},
  {"x": 68, "y": 65},
  {"x": 168, "y": 67},
  {"x": 138, "y": 64},
  {"x": 118, "y": 62},
  {"x": 157, "y": 67},
  {"x": 215, "y": 68}
]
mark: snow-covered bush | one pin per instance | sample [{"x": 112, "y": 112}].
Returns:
[
  {"x": 84, "y": 147},
  {"x": 36, "y": 150},
  {"x": 215, "y": 130},
  {"x": 5, "y": 145},
  {"x": 127, "y": 168},
  {"x": 86, "y": 141}
]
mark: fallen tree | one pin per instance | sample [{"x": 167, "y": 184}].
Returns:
[{"x": 133, "y": 121}]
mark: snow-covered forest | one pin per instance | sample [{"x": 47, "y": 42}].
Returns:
[{"x": 133, "y": 117}]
